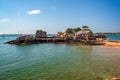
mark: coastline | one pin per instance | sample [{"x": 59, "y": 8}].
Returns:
[
  {"x": 112, "y": 43},
  {"x": 107, "y": 43},
  {"x": 81, "y": 37}
]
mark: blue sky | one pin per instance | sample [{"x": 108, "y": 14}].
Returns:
[{"x": 26, "y": 16}]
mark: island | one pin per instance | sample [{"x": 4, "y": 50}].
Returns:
[{"x": 82, "y": 35}]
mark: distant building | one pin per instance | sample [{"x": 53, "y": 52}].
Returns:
[{"x": 40, "y": 34}]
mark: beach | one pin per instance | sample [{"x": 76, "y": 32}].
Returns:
[{"x": 113, "y": 43}]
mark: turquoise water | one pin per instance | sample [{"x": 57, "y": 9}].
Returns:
[
  {"x": 113, "y": 37},
  {"x": 57, "y": 62}
]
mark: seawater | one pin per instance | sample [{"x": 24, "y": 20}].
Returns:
[
  {"x": 57, "y": 61},
  {"x": 110, "y": 37}
]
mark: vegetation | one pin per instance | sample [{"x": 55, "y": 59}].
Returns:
[
  {"x": 85, "y": 27},
  {"x": 76, "y": 29},
  {"x": 72, "y": 30},
  {"x": 69, "y": 30}
]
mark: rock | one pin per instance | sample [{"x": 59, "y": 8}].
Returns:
[
  {"x": 84, "y": 35},
  {"x": 26, "y": 37},
  {"x": 40, "y": 34}
]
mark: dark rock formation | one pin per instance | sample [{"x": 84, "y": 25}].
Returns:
[
  {"x": 84, "y": 37},
  {"x": 40, "y": 34},
  {"x": 26, "y": 37}
]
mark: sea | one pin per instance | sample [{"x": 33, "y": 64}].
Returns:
[
  {"x": 113, "y": 37},
  {"x": 57, "y": 61}
]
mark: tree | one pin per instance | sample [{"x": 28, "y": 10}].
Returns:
[
  {"x": 69, "y": 31},
  {"x": 76, "y": 29},
  {"x": 85, "y": 27}
]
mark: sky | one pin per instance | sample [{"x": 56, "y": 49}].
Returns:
[{"x": 27, "y": 16}]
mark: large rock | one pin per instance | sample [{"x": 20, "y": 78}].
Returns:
[
  {"x": 84, "y": 35},
  {"x": 24, "y": 38},
  {"x": 40, "y": 34}
]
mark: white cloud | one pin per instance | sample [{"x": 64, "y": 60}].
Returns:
[
  {"x": 3, "y": 20},
  {"x": 33, "y": 12}
]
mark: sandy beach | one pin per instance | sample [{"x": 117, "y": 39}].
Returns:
[{"x": 115, "y": 44}]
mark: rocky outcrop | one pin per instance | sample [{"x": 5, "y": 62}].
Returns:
[
  {"x": 25, "y": 38},
  {"x": 40, "y": 34},
  {"x": 83, "y": 35},
  {"x": 99, "y": 36},
  {"x": 60, "y": 35},
  {"x": 65, "y": 36}
]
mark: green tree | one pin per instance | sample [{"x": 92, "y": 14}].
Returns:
[
  {"x": 76, "y": 29},
  {"x": 69, "y": 30},
  {"x": 85, "y": 27}
]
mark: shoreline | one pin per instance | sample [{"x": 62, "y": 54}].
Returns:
[
  {"x": 106, "y": 43},
  {"x": 112, "y": 43}
]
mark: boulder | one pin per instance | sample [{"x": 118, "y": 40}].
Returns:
[{"x": 40, "y": 34}]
